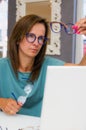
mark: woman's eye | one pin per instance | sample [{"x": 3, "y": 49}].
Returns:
[{"x": 31, "y": 35}]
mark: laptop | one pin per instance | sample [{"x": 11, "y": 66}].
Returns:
[{"x": 64, "y": 103}]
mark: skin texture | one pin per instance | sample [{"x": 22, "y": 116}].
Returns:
[
  {"x": 28, "y": 51},
  {"x": 81, "y": 24},
  {"x": 9, "y": 106}
]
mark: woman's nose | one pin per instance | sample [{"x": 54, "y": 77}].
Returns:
[{"x": 36, "y": 42}]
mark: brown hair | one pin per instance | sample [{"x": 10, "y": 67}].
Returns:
[{"x": 23, "y": 26}]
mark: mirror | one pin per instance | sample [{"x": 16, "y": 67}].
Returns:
[{"x": 42, "y": 8}]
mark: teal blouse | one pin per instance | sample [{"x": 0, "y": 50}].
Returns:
[{"x": 9, "y": 83}]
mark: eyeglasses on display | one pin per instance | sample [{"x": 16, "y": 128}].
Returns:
[
  {"x": 57, "y": 27},
  {"x": 31, "y": 37}
]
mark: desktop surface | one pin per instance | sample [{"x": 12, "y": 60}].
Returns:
[{"x": 18, "y": 122}]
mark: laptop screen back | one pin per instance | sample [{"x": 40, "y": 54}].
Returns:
[{"x": 64, "y": 103}]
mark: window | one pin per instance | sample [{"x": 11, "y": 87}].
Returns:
[
  {"x": 84, "y": 8},
  {"x": 80, "y": 39},
  {"x": 0, "y": 35},
  {"x": 84, "y": 37},
  {"x": 3, "y": 27}
]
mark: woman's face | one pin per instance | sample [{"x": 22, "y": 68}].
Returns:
[{"x": 31, "y": 49}]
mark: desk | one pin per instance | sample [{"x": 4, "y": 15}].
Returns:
[{"x": 16, "y": 122}]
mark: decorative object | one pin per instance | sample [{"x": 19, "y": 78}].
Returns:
[{"x": 54, "y": 46}]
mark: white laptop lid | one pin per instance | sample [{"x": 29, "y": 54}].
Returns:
[{"x": 64, "y": 104}]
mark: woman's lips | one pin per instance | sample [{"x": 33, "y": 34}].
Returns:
[{"x": 34, "y": 50}]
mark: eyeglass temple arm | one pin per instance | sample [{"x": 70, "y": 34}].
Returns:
[{"x": 63, "y": 24}]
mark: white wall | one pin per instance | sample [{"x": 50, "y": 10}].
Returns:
[{"x": 79, "y": 38}]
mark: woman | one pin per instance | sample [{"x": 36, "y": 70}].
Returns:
[{"x": 23, "y": 73}]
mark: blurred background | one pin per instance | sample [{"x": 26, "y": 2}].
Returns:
[{"x": 72, "y": 47}]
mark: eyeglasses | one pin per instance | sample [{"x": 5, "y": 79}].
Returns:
[
  {"x": 56, "y": 27},
  {"x": 27, "y": 89},
  {"x": 31, "y": 37}
]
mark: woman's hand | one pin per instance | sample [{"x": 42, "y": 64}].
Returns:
[
  {"x": 81, "y": 26},
  {"x": 9, "y": 106}
]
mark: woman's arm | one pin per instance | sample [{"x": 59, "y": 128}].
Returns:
[{"x": 82, "y": 62}]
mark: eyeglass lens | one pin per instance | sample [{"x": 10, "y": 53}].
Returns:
[
  {"x": 31, "y": 37},
  {"x": 69, "y": 29},
  {"x": 56, "y": 27}
]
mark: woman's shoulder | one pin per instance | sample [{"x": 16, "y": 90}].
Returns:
[
  {"x": 53, "y": 61},
  {"x": 3, "y": 61}
]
